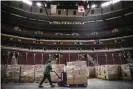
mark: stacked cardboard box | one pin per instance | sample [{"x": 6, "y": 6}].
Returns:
[
  {"x": 126, "y": 73},
  {"x": 27, "y": 73},
  {"x": 110, "y": 72},
  {"x": 58, "y": 68},
  {"x": 98, "y": 71},
  {"x": 3, "y": 72},
  {"x": 77, "y": 72},
  {"x": 12, "y": 73},
  {"x": 39, "y": 72},
  {"x": 91, "y": 72}
]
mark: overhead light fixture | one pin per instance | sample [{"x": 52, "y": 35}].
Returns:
[
  {"x": 93, "y": 6},
  {"x": 88, "y": 6},
  {"x": 106, "y": 4},
  {"x": 109, "y": 3},
  {"x": 27, "y": 2},
  {"x": 39, "y": 4},
  {"x": 115, "y": 1}
]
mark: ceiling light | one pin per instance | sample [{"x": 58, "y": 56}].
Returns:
[
  {"x": 88, "y": 6},
  {"x": 115, "y": 1},
  {"x": 27, "y": 2},
  {"x": 39, "y": 4},
  {"x": 106, "y": 4},
  {"x": 93, "y": 6}
]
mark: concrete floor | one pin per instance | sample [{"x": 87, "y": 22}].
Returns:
[{"x": 92, "y": 84}]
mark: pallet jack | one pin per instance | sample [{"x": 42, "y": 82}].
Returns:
[{"x": 61, "y": 80}]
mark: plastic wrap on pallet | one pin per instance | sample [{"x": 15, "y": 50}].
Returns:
[
  {"x": 110, "y": 72},
  {"x": 12, "y": 73},
  {"x": 3, "y": 72},
  {"x": 27, "y": 73},
  {"x": 69, "y": 69},
  {"x": 27, "y": 70},
  {"x": 77, "y": 63},
  {"x": 83, "y": 71},
  {"x": 80, "y": 79},
  {"x": 98, "y": 71},
  {"x": 126, "y": 73},
  {"x": 39, "y": 69}
]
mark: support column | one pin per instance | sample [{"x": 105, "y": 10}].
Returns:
[
  {"x": 59, "y": 58},
  {"x": 113, "y": 58},
  {"x": 34, "y": 58},
  {"x": 120, "y": 58},
  {"x": 69, "y": 57},
  {"x": 26, "y": 58},
  {"x": 97, "y": 59},
  {"x": 106, "y": 58},
  {"x": 42, "y": 59},
  {"x": 18, "y": 58}
]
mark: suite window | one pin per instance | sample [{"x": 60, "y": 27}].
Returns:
[
  {"x": 59, "y": 12},
  {"x": 74, "y": 12},
  {"x": 41, "y": 10}
]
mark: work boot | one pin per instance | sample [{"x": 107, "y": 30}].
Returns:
[
  {"x": 52, "y": 85},
  {"x": 40, "y": 86}
]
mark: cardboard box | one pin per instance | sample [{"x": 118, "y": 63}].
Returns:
[
  {"x": 98, "y": 71},
  {"x": 3, "y": 72},
  {"x": 126, "y": 73},
  {"x": 77, "y": 63},
  {"x": 12, "y": 73},
  {"x": 70, "y": 81},
  {"x": 83, "y": 81},
  {"x": 27, "y": 73},
  {"x": 84, "y": 71},
  {"x": 70, "y": 76},
  {"x": 80, "y": 77}
]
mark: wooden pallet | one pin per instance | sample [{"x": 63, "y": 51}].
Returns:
[{"x": 76, "y": 85}]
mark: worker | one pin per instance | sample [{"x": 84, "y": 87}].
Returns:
[{"x": 46, "y": 73}]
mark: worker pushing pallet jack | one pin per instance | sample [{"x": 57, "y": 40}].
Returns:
[{"x": 48, "y": 68}]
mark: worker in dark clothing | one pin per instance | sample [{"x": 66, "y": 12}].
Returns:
[{"x": 46, "y": 73}]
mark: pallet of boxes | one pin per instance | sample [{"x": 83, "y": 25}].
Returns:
[
  {"x": 77, "y": 73},
  {"x": 3, "y": 73},
  {"x": 98, "y": 71},
  {"x": 110, "y": 72},
  {"x": 27, "y": 73},
  {"x": 39, "y": 69},
  {"x": 126, "y": 71},
  {"x": 12, "y": 74},
  {"x": 58, "y": 68}
]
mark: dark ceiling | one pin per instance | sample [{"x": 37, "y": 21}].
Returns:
[{"x": 70, "y": 4}]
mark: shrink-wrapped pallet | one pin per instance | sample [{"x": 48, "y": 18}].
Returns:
[
  {"x": 98, "y": 71},
  {"x": 12, "y": 73},
  {"x": 39, "y": 69},
  {"x": 126, "y": 71},
  {"x": 3, "y": 72},
  {"x": 110, "y": 72},
  {"x": 27, "y": 73}
]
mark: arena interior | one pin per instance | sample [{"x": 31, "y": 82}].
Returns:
[{"x": 91, "y": 41}]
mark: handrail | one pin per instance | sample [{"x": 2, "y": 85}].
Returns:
[
  {"x": 2, "y": 34},
  {"x": 65, "y": 51}
]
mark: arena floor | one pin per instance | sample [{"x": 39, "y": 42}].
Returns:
[{"x": 92, "y": 84}]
